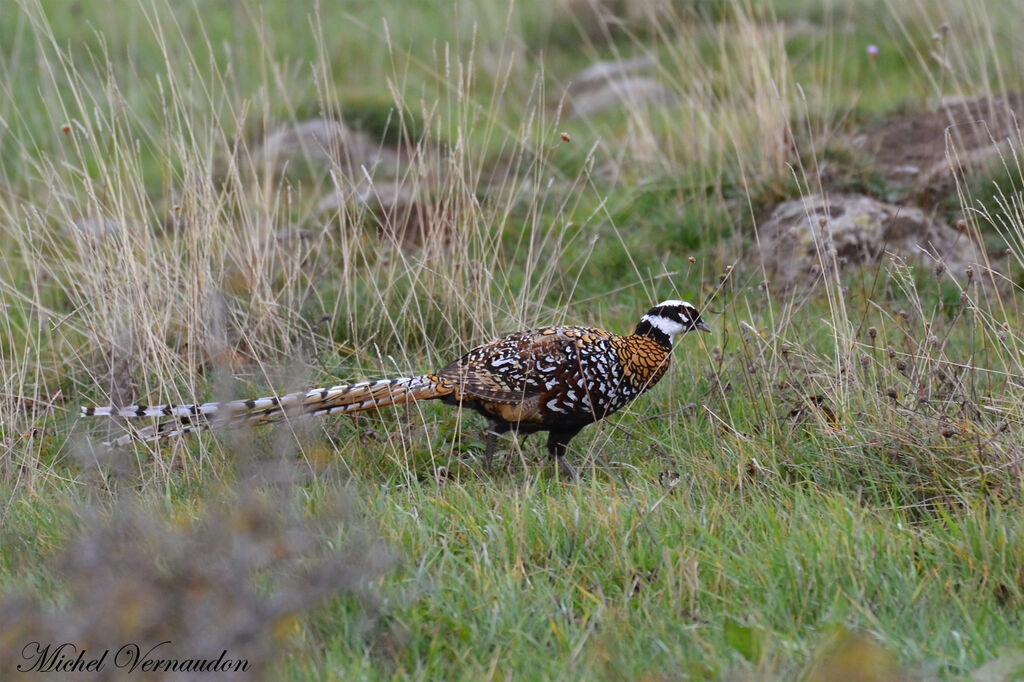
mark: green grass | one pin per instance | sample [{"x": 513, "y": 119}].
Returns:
[{"x": 828, "y": 487}]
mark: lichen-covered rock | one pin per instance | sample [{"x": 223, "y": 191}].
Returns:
[
  {"x": 599, "y": 73},
  {"x": 622, "y": 83},
  {"x": 93, "y": 227},
  {"x": 325, "y": 141},
  {"x": 805, "y": 238}
]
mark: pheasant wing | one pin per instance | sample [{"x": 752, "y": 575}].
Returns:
[{"x": 514, "y": 369}]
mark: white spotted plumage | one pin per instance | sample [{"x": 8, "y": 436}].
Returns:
[{"x": 555, "y": 379}]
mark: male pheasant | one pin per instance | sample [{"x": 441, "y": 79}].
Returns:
[{"x": 554, "y": 379}]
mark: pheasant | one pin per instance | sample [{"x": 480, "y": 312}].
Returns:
[{"x": 554, "y": 379}]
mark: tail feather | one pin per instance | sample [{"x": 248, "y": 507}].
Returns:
[{"x": 364, "y": 395}]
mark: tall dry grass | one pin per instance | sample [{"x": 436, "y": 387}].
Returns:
[{"x": 155, "y": 254}]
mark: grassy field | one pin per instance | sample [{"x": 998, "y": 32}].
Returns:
[{"x": 828, "y": 487}]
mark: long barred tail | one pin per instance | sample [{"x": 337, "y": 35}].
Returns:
[{"x": 364, "y": 395}]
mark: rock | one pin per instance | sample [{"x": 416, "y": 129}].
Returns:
[
  {"x": 325, "y": 141},
  {"x": 805, "y": 237},
  {"x": 599, "y": 73},
  {"x": 615, "y": 84},
  {"x": 93, "y": 227},
  {"x": 625, "y": 92}
]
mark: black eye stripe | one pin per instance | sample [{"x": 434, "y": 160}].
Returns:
[
  {"x": 674, "y": 313},
  {"x": 686, "y": 315},
  {"x": 668, "y": 313}
]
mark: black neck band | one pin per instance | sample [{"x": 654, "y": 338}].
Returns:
[{"x": 645, "y": 328}]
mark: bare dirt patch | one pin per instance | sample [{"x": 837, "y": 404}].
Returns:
[{"x": 923, "y": 150}]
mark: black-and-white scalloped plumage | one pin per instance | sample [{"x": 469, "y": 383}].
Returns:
[{"x": 554, "y": 379}]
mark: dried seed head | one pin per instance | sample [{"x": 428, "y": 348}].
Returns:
[
  {"x": 944, "y": 27},
  {"x": 872, "y": 333},
  {"x": 784, "y": 349},
  {"x": 891, "y": 351},
  {"x": 565, "y": 137},
  {"x": 940, "y": 268},
  {"x": 901, "y": 364},
  {"x": 691, "y": 259},
  {"x": 902, "y": 314},
  {"x": 66, "y": 128},
  {"x": 864, "y": 360},
  {"x": 961, "y": 225},
  {"x": 970, "y": 272},
  {"x": 933, "y": 340},
  {"x": 822, "y": 221},
  {"x": 892, "y": 393}
]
